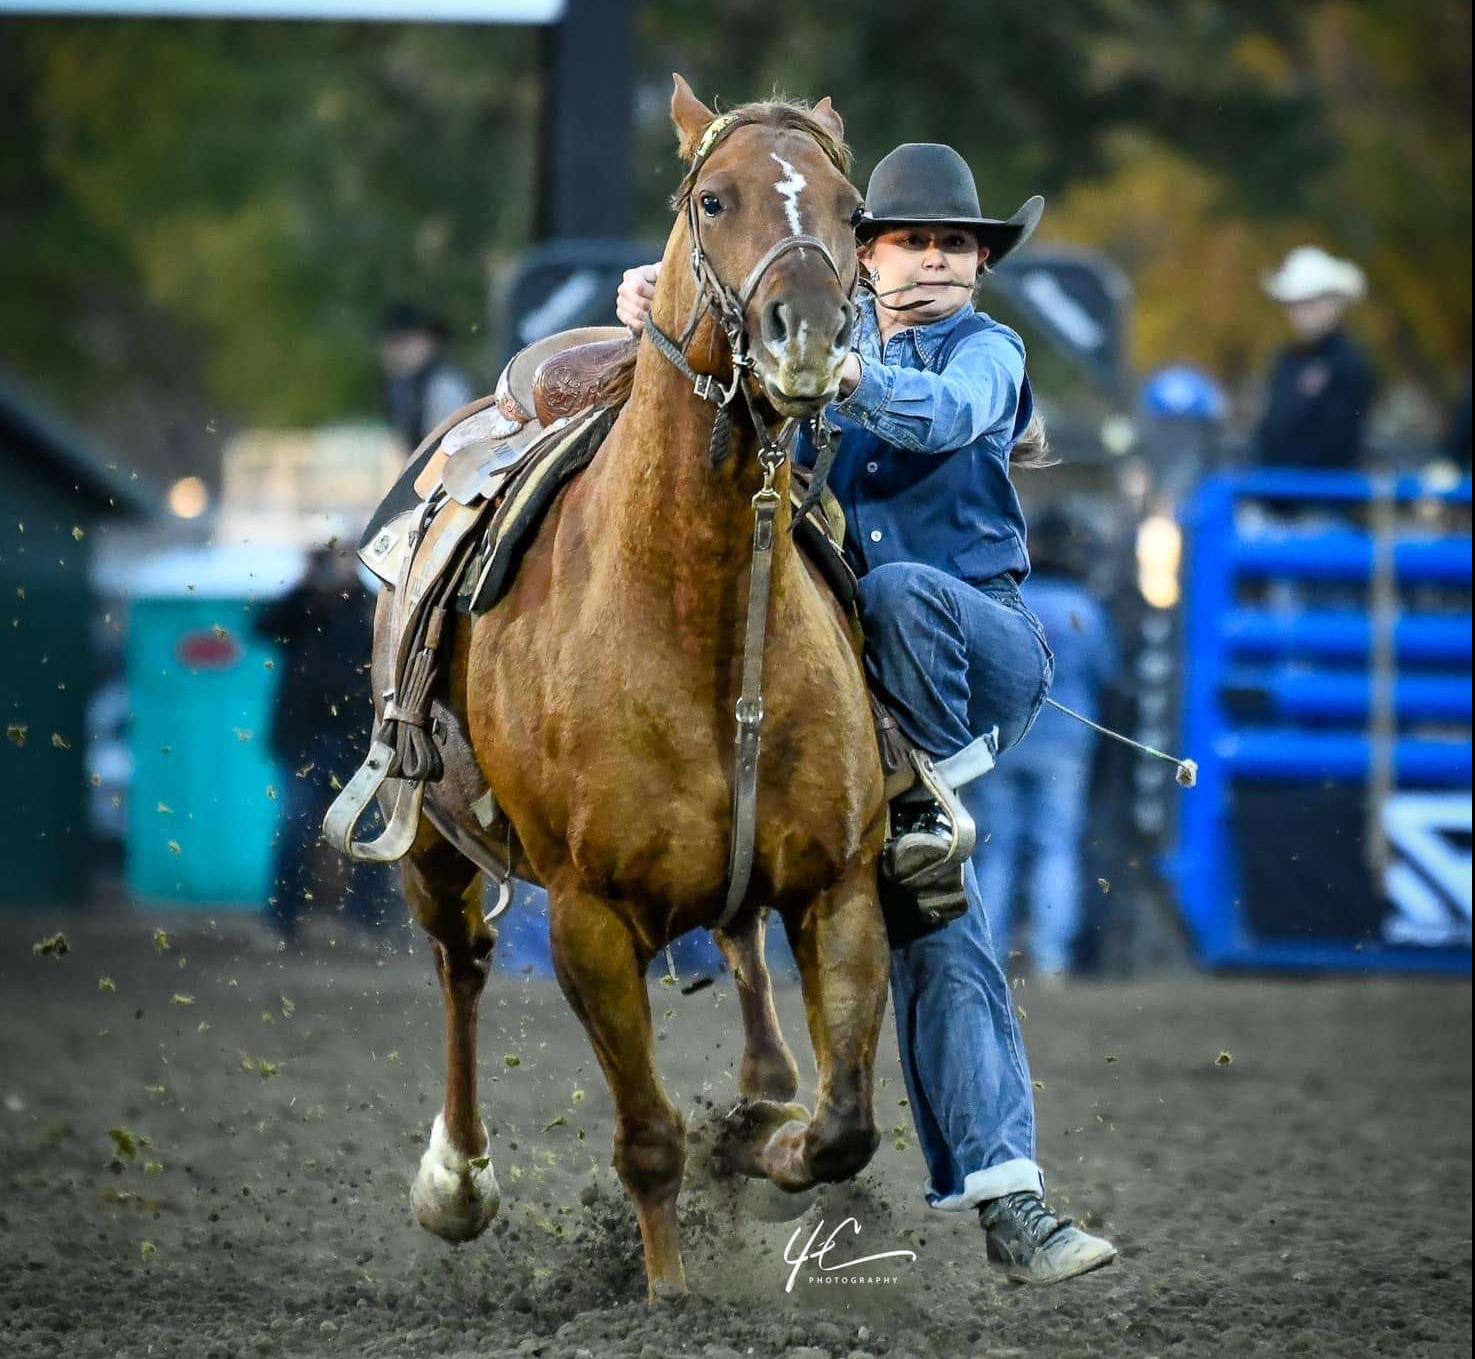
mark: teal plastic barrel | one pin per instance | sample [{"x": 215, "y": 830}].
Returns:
[{"x": 202, "y": 810}]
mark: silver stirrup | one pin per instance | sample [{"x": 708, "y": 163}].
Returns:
[
  {"x": 933, "y": 892},
  {"x": 940, "y": 781},
  {"x": 353, "y": 801},
  {"x": 931, "y": 784}
]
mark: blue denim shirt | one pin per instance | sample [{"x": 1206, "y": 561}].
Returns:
[{"x": 922, "y": 471}]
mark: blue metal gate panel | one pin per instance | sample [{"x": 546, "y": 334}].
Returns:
[{"x": 1278, "y": 697}]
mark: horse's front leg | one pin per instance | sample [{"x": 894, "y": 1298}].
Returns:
[
  {"x": 768, "y": 1071},
  {"x": 602, "y": 972},
  {"x": 455, "y": 1194},
  {"x": 840, "y": 946}
]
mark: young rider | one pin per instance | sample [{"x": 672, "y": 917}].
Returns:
[{"x": 933, "y": 404}]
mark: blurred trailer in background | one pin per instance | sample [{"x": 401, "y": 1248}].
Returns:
[
  {"x": 1327, "y": 699},
  {"x": 61, "y": 498}
]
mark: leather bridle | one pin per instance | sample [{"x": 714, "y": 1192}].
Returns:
[{"x": 729, "y": 306}]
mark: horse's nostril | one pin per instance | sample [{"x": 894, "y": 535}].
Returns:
[
  {"x": 847, "y": 326},
  {"x": 775, "y": 323}
]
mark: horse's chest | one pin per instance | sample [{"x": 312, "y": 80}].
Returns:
[
  {"x": 652, "y": 808},
  {"x": 619, "y": 744}
]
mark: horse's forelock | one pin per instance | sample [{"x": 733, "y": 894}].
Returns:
[{"x": 781, "y": 115}]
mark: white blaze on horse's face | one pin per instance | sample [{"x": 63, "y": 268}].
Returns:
[
  {"x": 801, "y": 373},
  {"x": 798, "y": 317},
  {"x": 789, "y": 188}
]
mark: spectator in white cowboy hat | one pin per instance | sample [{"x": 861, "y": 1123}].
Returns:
[{"x": 1321, "y": 384}]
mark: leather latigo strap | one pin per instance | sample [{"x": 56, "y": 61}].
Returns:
[
  {"x": 749, "y": 739},
  {"x": 896, "y": 762}
]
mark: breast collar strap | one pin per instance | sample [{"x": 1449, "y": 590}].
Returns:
[{"x": 730, "y": 309}]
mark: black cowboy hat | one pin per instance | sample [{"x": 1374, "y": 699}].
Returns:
[{"x": 928, "y": 182}]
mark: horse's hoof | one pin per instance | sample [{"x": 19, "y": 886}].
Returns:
[
  {"x": 785, "y": 1159},
  {"x": 747, "y": 1130},
  {"x": 454, "y": 1195},
  {"x": 663, "y": 1292}
]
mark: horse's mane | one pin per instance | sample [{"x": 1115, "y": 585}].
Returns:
[{"x": 778, "y": 113}]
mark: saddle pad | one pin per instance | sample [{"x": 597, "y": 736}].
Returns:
[{"x": 528, "y": 498}]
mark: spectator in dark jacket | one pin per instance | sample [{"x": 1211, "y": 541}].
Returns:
[
  {"x": 320, "y": 719},
  {"x": 1321, "y": 386},
  {"x": 421, "y": 384}
]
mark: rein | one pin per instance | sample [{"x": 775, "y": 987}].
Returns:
[
  {"x": 870, "y": 287},
  {"x": 730, "y": 306}
]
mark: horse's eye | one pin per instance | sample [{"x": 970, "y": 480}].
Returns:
[
  {"x": 711, "y": 204},
  {"x": 858, "y": 216}
]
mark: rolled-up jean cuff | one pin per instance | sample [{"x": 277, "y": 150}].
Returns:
[
  {"x": 974, "y": 760},
  {"x": 1008, "y": 1177}
]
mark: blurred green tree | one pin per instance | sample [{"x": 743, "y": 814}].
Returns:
[
  {"x": 1390, "y": 188},
  {"x": 207, "y": 217},
  {"x": 242, "y": 198}
]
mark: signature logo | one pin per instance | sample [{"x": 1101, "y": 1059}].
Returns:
[{"x": 824, "y": 1268}]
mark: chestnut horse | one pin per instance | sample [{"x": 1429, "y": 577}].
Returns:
[{"x": 598, "y": 697}]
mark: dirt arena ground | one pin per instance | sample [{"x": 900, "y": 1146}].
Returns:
[{"x": 1309, "y": 1195}]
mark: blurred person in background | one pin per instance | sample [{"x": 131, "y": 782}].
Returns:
[
  {"x": 1182, "y": 436},
  {"x": 1457, "y": 437},
  {"x": 321, "y": 629},
  {"x": 421, "y": 384},
  {"x": 1034, "y": 804},
  {"x": 1321, "y": 384}
]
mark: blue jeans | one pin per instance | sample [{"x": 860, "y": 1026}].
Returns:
[
  {"x": 1036, "y": 802},
  {"x": 955, "y": 661}
]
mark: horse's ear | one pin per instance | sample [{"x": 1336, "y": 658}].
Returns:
[
  {"x": 824, "y": 114},
  {"x": 690, "y": 116}
]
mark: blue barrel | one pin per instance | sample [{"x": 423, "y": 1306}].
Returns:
[{"x": 202, "y": 810}]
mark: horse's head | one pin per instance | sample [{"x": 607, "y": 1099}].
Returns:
[{"x": 771, "y": 215}]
